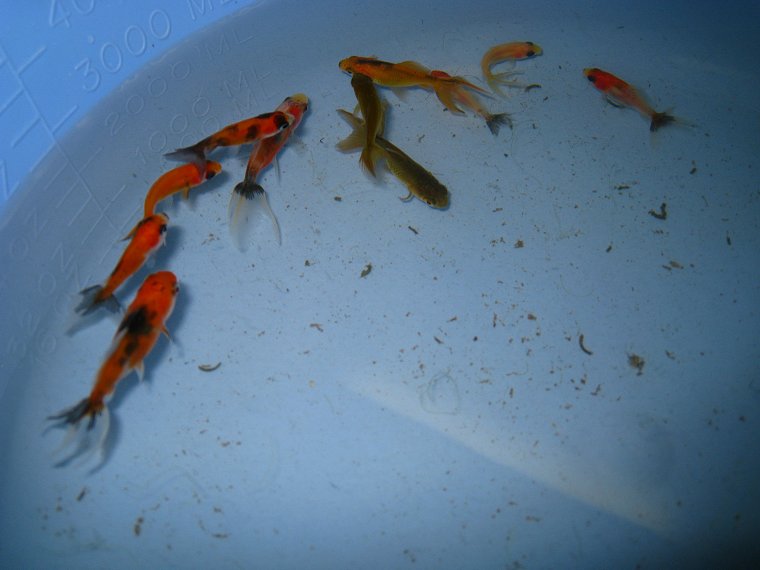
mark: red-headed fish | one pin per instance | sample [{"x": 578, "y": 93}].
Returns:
[
  {"x": 145, "y": 238},
  {"x": 460, "y": 95},
  {"x": 245, "y": 131},
  {"x": 138, "y": 332},
  {"x": 249, "y": 196},
  {"x": 180, "y": 179},
  {"x": 621, "y": 94},
  {"x": 512, "y": 51}
]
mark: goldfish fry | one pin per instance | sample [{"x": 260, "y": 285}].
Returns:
[{"x": 209, "y": 367}]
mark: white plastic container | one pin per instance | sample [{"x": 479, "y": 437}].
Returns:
[{"x": 440, "y": 410}]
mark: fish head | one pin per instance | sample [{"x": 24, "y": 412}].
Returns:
[{"x": 533, "y": 49}]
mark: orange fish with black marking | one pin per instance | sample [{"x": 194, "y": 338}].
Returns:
[
  {"x": 245, "y": 131},
  {"x": 136, "y": 336},
  {"x": 180, "y": 179},
  {"x": 249, "y": 196},
  {"x": 621, "y": 94},
  {"x": 145, "y": 238}
]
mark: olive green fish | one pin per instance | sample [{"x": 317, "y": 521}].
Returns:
[
  {"x": 374, "y": 117},
  {"x": 420, "y": 182}
]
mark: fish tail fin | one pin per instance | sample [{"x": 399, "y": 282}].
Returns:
[
  {"x": 89, "y": 435},
  {"x": 368, "y": 157},
  {"x": 660, "y": 120},
  {"x": 93, "y": 298},
  {"x": 443, "y": 91},
  {"x": 248, "y": 202},
  {"x": 194, "y": 153},
  {"x": 495, "y": 121},
  {"x": 495, "y": 80},
  {"x": 356, "y": 139}
]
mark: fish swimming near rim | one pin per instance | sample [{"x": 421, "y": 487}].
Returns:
[
  {"x": 419, "y": 182},
  {"x": 249, "y": 198},
  {"x": 621, "y": 94},
  {"x": 143, "y": 322}
]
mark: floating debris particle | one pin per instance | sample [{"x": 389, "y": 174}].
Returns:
[
  {"x": 532, "y": 86},
  {"x": 622, "y": 186},
  {"x": 82, "y": 493},
  {"x": 662, "y": 214},
  {"x": 693, "y": 168},
  {"x": 338, "y": 198},
  {"x": 317, "y": 326},
  {"x": 137, "y": 528},
  {"x": 438, "y": 340},
  {"x": 413, "y": 230},
  {"x": 583, "y": 346},
  {"x": 635, "y": 361},
  {"x": 366, "y": 271},
  {"x": 728, "y": 239},
  {"x": 209, "y": 367},
  {"x": 609, "y": 248},
  {"x": 519, "y": 244}
]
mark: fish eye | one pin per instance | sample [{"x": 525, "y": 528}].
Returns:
[
  {"x": 162, "y": 229},
  {"x": 531, "y": 53},
  {"x": 591, "y": 78}
]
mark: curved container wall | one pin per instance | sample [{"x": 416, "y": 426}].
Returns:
[{"x": 440, "y": 410}]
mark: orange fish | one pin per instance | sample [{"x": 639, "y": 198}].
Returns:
[
  {"x": 248, "y": 195},
  {"x": 245, "y": 131},
  {"x": 134, "y": 339},
  {"x": 147, "y": 236},
  {"x": 511, "y": 51},
  {"x": 469, "y": 100},
  {"x": 408, "y": 74},
  {"x": 621, "y": 94},
  {"x": 179, "y": 179}
]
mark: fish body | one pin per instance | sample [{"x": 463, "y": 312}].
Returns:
[
  {"x": 407, "y": 74},
  {"x": 245, "y": 131},
  {"x": 512, "y": 51},
  {"x": 145, "y": 238},
  {"x": 143, "y": 322},
  {"x": 419, "y": 182},
  {"x": 374, "y": 120},
  {"x": 467, "y": 99},
  {"x": 249, "y": 197},
  {"x": 622, "y": 94},
  {"x": 180, "y": 179}
]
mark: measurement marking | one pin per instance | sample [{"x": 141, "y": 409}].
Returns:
[
  {"x": 16, "y": 72},
  {"x": 35, "y": 56},
  {"x": 65, "y": 118},
  {"x": 13, "y": 97},
  {"x": 25, "y": 132}
]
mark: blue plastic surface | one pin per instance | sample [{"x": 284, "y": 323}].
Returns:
[
  {"x": 440, "y": 411},
  {"x": 58, "y": 58}
]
